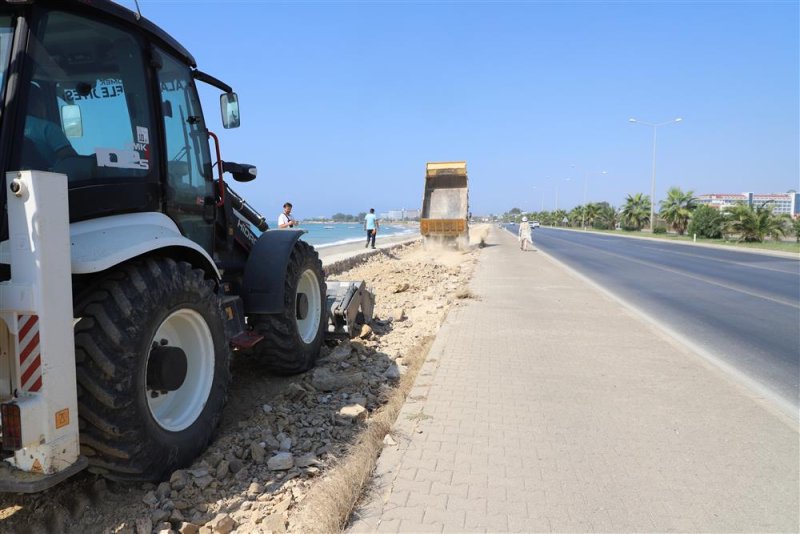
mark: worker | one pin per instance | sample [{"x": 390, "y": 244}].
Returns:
[{"x": 285, "y": 219}]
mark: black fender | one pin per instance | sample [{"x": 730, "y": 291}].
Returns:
[{"x": 265, "y": 271}]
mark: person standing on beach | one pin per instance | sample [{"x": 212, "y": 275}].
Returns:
[
  {"x": 525, "y": 234},
  {"x": 285, "y": 219},
  {"x": 371, "y": 225}
]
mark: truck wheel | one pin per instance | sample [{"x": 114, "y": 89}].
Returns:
[
  {"x": 152, "y": 367},
  {"x": 292, "y": 339}
]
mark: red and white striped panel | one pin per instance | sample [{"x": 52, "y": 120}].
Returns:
[{"x": 30, "y": 358}]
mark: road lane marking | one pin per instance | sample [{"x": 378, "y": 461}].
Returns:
[{"x": 791, "y": 304}]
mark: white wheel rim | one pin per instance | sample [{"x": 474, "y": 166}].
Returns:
[
  {"x": 309, "y": 285},
  {"x": 177, "y": 410}
]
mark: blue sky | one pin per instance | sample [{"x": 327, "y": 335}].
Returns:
[{"x": 344, "y": 102}]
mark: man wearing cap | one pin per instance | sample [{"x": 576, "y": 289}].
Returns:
[{"x": 524, "y": 234}]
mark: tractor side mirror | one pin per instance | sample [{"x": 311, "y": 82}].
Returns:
[
  {"x": 241, "y": 172},
  {"x": 71, "y": 120},
  {"x": 229, "y": 107}
]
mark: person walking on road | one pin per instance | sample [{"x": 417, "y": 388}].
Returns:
[
  {"x": 371, "y": 225},
  {"x": 285, "y": 219},
  {"x": 525, "y": 234}
]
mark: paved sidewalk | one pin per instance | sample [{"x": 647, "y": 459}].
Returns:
[{"x": 544, "y": 405}]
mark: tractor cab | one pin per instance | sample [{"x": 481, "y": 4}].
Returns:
[{"x": 114, "y": 107}]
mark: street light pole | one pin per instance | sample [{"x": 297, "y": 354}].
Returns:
[{"x": 653, "y": 180}]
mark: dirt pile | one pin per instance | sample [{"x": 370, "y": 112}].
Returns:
[{"x": 279, "y": 435}]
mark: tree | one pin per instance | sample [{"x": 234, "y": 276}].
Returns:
[
  {"x": 635, "y": 213},
  {"x": 514, "y": 211},
  {"x": 706, "y": 222},
  {"x": 606, "y": 218},
  {"x": 575, "y": 216},
  {"x": 677, "y": 208},
  {"x": 753, "y": 224},
  {"x": 796, "y": 229},
  {"x": 559, "y": 216}
]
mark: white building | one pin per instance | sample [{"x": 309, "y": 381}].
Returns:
[{"x": 781, "y": 203}]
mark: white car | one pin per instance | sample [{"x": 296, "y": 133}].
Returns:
[{"x": 535, "y": 224}]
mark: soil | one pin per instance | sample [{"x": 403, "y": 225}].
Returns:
[{"x": 279, "y": 435}]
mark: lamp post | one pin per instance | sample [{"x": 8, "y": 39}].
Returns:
[
  {"x": 585, "y": 185},
  {"x": 542, "y": 208},
  {"x": 653, "y": 181}
]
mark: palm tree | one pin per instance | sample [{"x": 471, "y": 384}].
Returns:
[
  {"x": 559, "y": 216},
  {"x": 677, "y": 208},
  {"x": 635, "y": 213},
  {"x": 575, "y": 215},
  {"x": 606, "y": 217},
  {"x": 592, "y": 210},
  {"x": 753, "y": 224}
]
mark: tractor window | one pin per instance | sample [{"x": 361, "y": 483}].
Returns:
[
  {"x": 6, "y": 36},
  {"x": 88, "y": 112},
  {"x": 190, "y": 189}
]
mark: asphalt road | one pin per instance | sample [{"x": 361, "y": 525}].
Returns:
[{"x": 738, "y": 307}]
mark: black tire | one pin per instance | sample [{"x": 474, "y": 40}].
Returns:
[
  {"x": 121, "y": 433},
  {"x": 285, "y": 350}
]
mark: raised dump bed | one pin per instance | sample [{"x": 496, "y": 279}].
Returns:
[{"x": 445, "y": 204}]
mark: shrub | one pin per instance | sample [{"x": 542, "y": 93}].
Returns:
[
  {"x": 706, "y": 222},
  {"x": 660, "y": 230}
]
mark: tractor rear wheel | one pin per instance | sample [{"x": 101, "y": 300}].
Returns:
[
  {"x": 152, "y": 367},
  {"x": 292, "y": 339}
]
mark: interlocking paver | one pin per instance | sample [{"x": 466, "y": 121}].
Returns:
[{"x": 556, "y": 409}]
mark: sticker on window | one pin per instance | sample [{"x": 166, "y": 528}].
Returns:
[
  {"x": 142, "y": 135},
  {"x": 120, "y": 159}
]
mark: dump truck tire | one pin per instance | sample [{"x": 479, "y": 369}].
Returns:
[
  {"x": 292, "y": 339},
  {"x": 152, "y": 368}
]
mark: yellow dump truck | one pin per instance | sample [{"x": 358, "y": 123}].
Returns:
[{"x": 445, "y": 205}]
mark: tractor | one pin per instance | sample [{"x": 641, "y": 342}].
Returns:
[{"x": 130, "y": 270}]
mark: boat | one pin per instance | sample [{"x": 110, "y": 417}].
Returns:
[{"x": 328, "y": 227}]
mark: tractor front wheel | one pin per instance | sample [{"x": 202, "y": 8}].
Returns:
[{"x": 293, "y": 338}]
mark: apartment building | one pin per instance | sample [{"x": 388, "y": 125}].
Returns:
[{"x": 781, "y": 203}]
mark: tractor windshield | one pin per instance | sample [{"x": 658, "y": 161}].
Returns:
[{"x": 6, "y": 35}]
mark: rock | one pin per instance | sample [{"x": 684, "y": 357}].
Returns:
[
  {"x": 163, "y": 489},
  {"x": 222, "y": 524},
  {"x": 266, "y": 408},
  {"x": 163, "y": 528},
  {"x": 295, "y": 392},
  {"x": 352, "y": 413},
  {"x": 199, "y": 472},
  {"x": 342, "y": 352},
  {"x": 257, "y": 452},
  {"x": 325, "y": 380},
  {"x": 286, "y": 444},
  {"x": 188, "y": 528},
  {"x": 398, "y": 315},
  {"x": 306, "y": 460},
  {"x": 144, "y": 525},
  {"x": 393, "y": 372},
  {"x": 389, "y": 440},
  {"x": 255, "y": 489},
  {"x": 274, "y": 523},
  {"x": 150, "y": 498},
  {"x": 203, "y": 482},
  {"x": 235, "y": 465},
  {"x": 271, "y": 441},
  {"x": 176, "y": 516},
  {"x": 159, "y": 515},
  {"x": 281, "y": 462},
  {"x": 358, "y": 399},
  {"x": 223, "y": 469},
  {"x": 399, "y": 288},
  {"x": 366, "y": 331}
]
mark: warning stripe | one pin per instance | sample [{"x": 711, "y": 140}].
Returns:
[{"x": 30, "y": 360}]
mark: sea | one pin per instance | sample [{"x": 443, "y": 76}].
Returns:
[{"x": 323, "y": 235}]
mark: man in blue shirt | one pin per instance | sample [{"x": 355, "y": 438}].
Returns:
[{"x": 371, "y": 225}]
